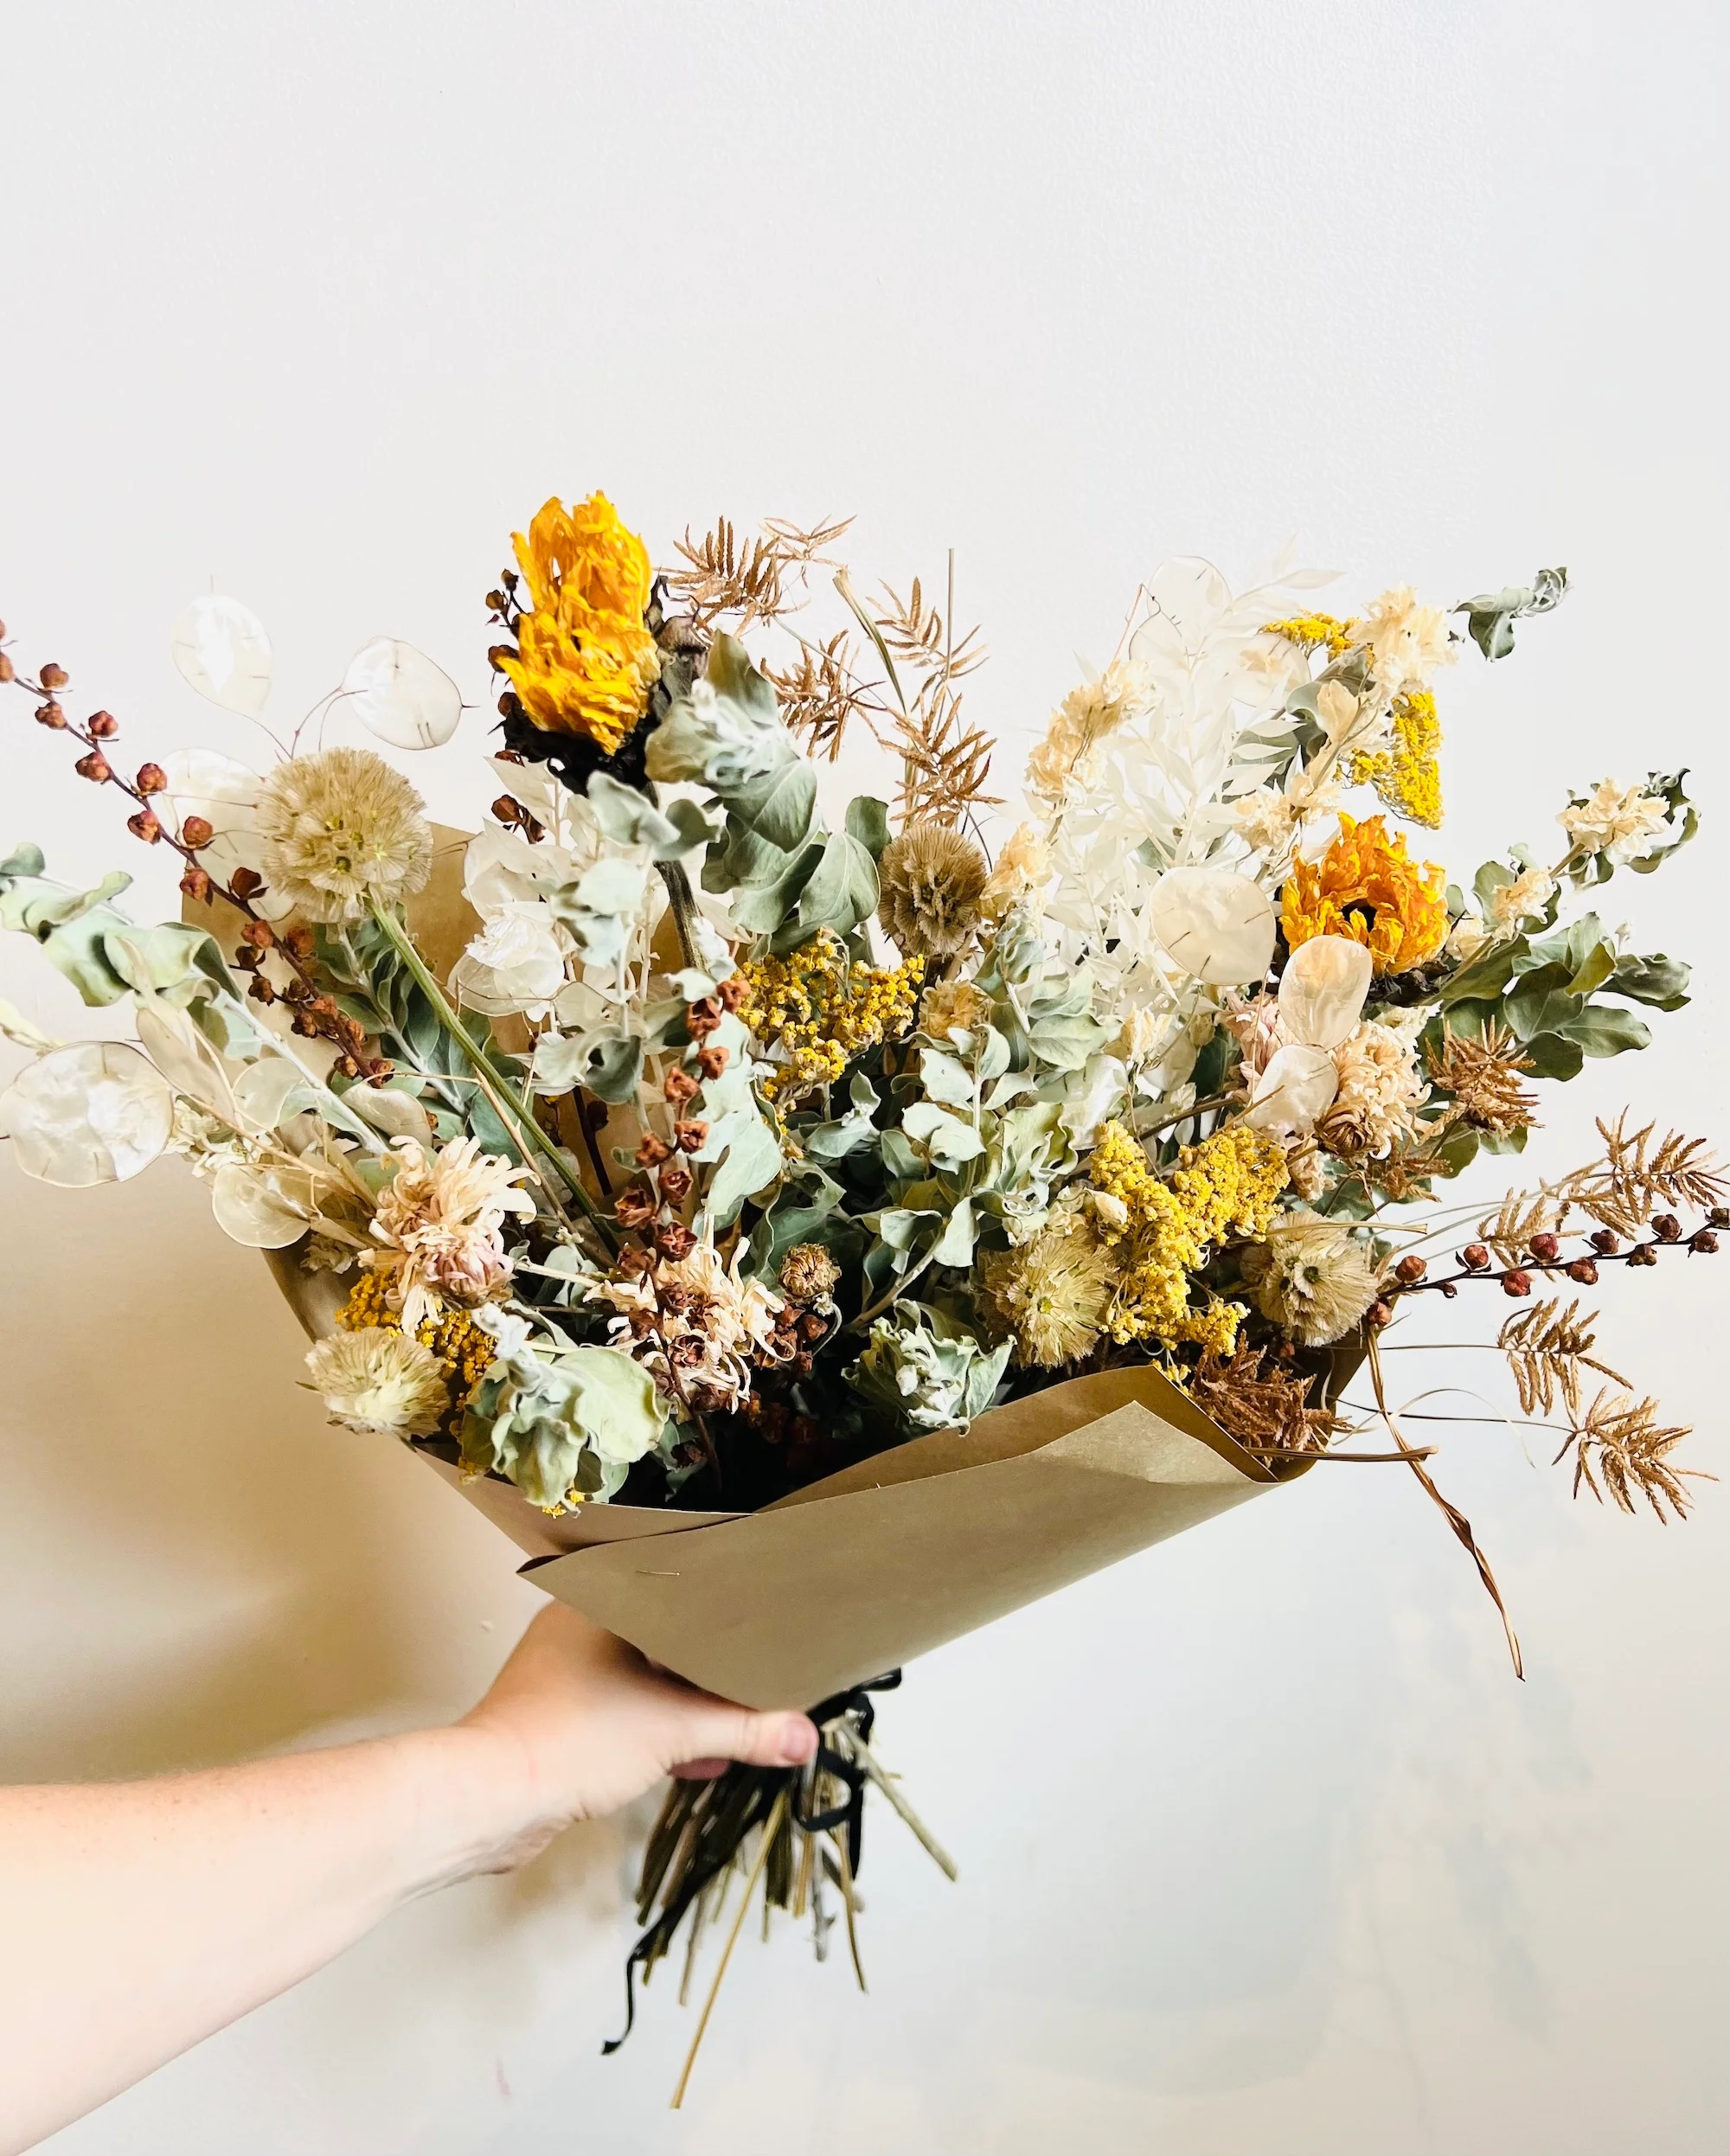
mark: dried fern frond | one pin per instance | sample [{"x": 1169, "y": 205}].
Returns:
[
  {"x": 1547, "y": 1348},
  {"x": 820, "y": 694},
  {"x": 1523, "y": 1214},
  {"x": 1265, "y": 1409},
  {"x": 914, "y": 632},
  {"x": 798, "y": 548},
  {"x": 1641, "y": 1177},
  {"x": 1621, "y": 1451},
  {"x": 728, "y": 576},
  {"x": 944, "y": 765}
]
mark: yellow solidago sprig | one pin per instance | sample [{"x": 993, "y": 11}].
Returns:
[
  {"x": 1314, "y": 632},
  {"x": 463, "y": 1349},
  {"x": 820, "y": 1010},
  {"x": 1367, "y": 887},
  {"x": 583, "y": 661},
  {"x": 1406, "y": 773},
  {"x": 1226, "y": 1187}
]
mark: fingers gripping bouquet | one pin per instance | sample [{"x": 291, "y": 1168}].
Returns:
[{"x": 907, "y": 1223}]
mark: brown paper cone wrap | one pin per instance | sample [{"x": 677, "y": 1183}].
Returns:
[{"x": 895, "y": 1556}]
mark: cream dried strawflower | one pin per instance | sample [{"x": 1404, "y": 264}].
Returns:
[
  {"x": 1313, "y": 1277},
  {"x": 340, "y": 829},
  {"x": 1624, "y": 822},
  {"x": 929, "y": 885},
  {"x": 440, "y": 1219},
  {"x": 1085, "y": 717},
  {"x": 1512, "y": 904},
  {"x": 1022, "y": 869},
  {"x": 1052, "y": 1296},
  {"x": 380, "y": 1378},
  {"x": 1407, "y": 642},
  {"x": 952, "y": 1006}
]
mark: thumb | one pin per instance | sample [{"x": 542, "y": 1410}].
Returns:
[{"x": 706, "y": 1729}]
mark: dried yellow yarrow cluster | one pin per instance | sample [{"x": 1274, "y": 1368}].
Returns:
[
  {"x": 820, "y": 1009},
  {"x": 1314, "y": 632},
  {"x": 1406, "y": 774},
  {"x": 1228, "y": 1185},
  {"x": 455, "y": 1339}
]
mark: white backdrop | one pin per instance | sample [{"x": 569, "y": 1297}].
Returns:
[{"x": 1264, "y": 1852}]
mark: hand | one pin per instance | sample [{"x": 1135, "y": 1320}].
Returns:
[{"x": 577, "y": 1723}]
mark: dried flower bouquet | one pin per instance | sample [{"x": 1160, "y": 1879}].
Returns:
[{"x": 730, "y": 1148}]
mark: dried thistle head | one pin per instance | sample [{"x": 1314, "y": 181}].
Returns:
[
  {"x": 1267, "y": 1409},
  {"x": 1483, "y": 1078},
  {"x": 808, "y": 1274},
  {"x": 930, "y": 881}
]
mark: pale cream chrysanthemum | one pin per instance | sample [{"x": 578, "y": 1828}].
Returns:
[
  {"x": 1313, "y": 1277},
  {"x": 1085, "y": 717},
  {"x": 339, "y": 829},
  {"x": 1623, "y": 821},
  {"x": 380, "y": 1378},
  {"x": 1051, "y": 1295},
  {"x": 1407, "y": 642},
  {"x": 441, "y": 1218},
  {"x": 929, "y": 884},
  {"x": 1380, "y": 1089},
  {"x": 1021, "y": 870}
]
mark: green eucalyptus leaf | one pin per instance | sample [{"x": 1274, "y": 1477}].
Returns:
[
  {"x": 1551, "y": 1056},
  {"x": 1490, "y": 616},
  {"x": 1652, "y": 979},
  {"x": 1607, "y": 1029},
  {"x": 944, "y": 1136},
  {"x": 945, "y": 1079}
]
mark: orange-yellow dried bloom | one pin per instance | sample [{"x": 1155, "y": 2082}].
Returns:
[
  {"x": 1367, "y": 887},
  {"x": 585, "y": 663}
]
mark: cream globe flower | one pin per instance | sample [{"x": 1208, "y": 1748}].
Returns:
[
  {"x": 379, "y": 1379},
  {"x": 340, "y": 830}
]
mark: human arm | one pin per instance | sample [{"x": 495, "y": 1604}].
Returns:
[{"x": 137, "y": 1917}]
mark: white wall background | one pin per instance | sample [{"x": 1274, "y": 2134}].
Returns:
[{"x": 1264, "y": 1852}]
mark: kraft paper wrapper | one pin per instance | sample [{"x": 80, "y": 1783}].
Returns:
[
  {"x": 891, "y": 1556},
  {"x": 860, "y": 1573}
]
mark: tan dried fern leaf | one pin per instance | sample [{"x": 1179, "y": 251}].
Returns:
[
  {"x": 729, "y": 576},
  {"x": 944, "y": 765},
  {"x": 1641, "y": 1176},
  {"x": 820, "y": 695},
  {"x": 1622, "y": 1452},
  {"x": 797, "y": 548},
  {"x": 914, "y": 632},
  {"x": 1547, "y": 1348}
]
